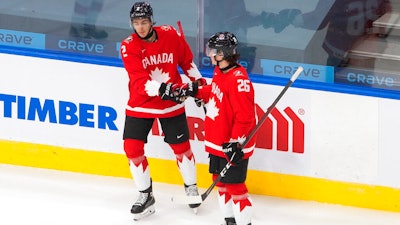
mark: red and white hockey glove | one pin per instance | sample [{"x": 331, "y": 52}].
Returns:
[
  {"x": 233, "y": 152},
  {"x": 188, "y": 89},
  {"x": 171, "y": 92},
  {"x": 200, "y": 82}
]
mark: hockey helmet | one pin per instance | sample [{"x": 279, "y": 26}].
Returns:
[
  {"x": 141, "y": 10},
  {"x": 225, "y": 42}
]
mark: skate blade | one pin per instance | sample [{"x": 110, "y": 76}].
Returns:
[
  {"x": 147, "y": 212},
  {"x": 195, "y": 210},
  {"x": 183, "y": 199}
]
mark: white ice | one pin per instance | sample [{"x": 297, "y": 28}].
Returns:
[{"x": 32, "y": 196}]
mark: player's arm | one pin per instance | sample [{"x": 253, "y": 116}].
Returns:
[
  {"x": 185, "y": 60},
  {"x": 241, "y": 94}
]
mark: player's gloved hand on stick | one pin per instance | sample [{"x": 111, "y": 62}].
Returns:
[
  {"x": 171, "y": 92},
  {"x": 233, "y": 152}
]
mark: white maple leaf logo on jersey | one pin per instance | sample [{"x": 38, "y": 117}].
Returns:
[
  {"x": 159, "y": 75},
  {"x": 212, "y": 110},
  {"x": 193, "y": 71}
]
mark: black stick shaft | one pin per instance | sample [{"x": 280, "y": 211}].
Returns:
[{"x": 253, "y": 132}]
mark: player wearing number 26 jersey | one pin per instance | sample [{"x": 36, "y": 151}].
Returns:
[
  {"x": 229, "y": 120},
  {"x": 230, "y": 110}
]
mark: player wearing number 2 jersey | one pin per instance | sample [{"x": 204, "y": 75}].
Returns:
[{"x": 151, "y": 56}]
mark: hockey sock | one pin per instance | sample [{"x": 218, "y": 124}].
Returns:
[
  {"x": 242, "y": 209},
  {"x": 225, "y": 202},
  {"x": 140, "y": 171},
  {"x": 186, "y": 162}
]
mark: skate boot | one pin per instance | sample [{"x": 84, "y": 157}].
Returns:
[
  {"x": 230, "y": 221},
  {"x": 191, "y": 190},
  {"x": 144, "y": 205}
]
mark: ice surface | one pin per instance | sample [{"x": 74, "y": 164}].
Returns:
[{"x": 32, "y": 196}]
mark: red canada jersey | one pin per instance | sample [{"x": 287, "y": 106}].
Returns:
[
  {"x": 230, "y": 110},
  {"x": 149, "y": 64}
]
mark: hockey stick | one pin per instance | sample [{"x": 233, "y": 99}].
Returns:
[
  {"x": 200, "y": 198},
  {"x": 183, "y": 35}
]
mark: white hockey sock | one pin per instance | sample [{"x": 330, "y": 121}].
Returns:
[
  {"x": 187, "y": 167},
  {"x": 140, "y": 171},
  {"x": 242, "y": 209},
  {"x": 225, "y": 202}
]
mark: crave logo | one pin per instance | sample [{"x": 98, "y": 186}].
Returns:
[{"x": 283, "y": 130}]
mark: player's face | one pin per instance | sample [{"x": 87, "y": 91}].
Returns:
[
  {"x": 214, "y": 55},
  {"x": 142, "y": 26}
]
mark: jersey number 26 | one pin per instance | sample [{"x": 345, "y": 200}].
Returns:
[{"x": 243, "y": 85}]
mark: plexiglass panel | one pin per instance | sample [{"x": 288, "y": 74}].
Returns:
[{"x": 352, "y": 42}]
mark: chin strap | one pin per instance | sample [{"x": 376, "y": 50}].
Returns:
[
  {"x": 148, "y": 35},
  {"x": 228, "y": 67}
]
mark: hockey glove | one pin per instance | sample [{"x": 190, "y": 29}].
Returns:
[
  {"x": 233, "y": 152},
  {"x": 188, "y": 89},
  {"x": 200, "y": 82},
  {"x": 170, "y": 92}
]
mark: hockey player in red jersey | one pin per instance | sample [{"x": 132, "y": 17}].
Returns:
[
  {"x": 151, "y": 56},
  {"x": 229, "y": 119}
]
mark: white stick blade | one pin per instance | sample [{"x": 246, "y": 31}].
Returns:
[
  {"x": 297, "y": 73},
  {"x": 183, "y": 199}
]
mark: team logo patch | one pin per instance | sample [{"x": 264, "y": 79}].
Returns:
[
  {"x": 165, "y": 27},
  {"x": 238, "y": 73}
]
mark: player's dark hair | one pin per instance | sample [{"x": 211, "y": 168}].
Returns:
[{"x": 233, "y": 59}]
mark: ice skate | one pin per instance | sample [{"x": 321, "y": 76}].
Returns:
[
  {"x": 144, "y": 205},
  {"x": 191, "y": 190},
  {"x": 229, "y": 221}
]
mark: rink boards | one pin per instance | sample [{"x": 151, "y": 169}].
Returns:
[{"x": 316, "y": 145}]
